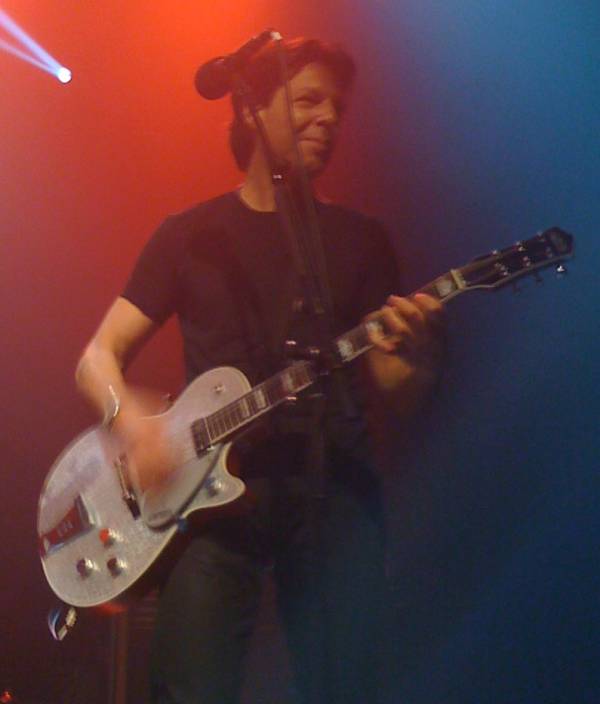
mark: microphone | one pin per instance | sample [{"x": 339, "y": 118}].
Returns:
[{"x": 215, "y": 78}]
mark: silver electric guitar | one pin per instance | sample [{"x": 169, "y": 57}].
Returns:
[{"x": 99, "y": 535}]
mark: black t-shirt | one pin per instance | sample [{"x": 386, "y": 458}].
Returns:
[{"x": 227, "y": 272}]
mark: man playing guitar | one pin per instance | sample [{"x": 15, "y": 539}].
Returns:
[{"x": 224, "y": 268}]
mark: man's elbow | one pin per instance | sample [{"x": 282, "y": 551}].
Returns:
[{"x": 83, "y": 363}]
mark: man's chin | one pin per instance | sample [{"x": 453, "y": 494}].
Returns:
[{"x": 314, "y": 165}]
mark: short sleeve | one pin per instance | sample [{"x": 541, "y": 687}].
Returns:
[{"x": 152, "y": 285}]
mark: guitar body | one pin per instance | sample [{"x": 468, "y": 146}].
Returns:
[{"x": 98, "y": 535}]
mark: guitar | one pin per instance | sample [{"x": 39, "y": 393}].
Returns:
[{"x": 98, "y": 535}]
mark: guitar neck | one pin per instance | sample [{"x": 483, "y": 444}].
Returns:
[
  {"x": 490, "y": 271},
  {"x": 221, "y": 424}
]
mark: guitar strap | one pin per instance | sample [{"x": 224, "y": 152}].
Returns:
[{"x": 301, "y": 299}]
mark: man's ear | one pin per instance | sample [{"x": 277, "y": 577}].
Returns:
[{"x": 247, "y": 118}]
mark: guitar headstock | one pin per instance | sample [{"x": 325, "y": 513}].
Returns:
[{"x": 496, "y": 269}]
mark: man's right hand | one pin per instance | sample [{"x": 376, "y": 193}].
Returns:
[{"x": 145, "y": 440}]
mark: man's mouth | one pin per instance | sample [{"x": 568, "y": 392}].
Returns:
[{"x": 323, "y": 143}]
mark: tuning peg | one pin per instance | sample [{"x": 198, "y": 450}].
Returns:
[{"x": 561, "y": 270}]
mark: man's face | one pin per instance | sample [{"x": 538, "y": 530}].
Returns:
[{"x": 318, "y": 103}]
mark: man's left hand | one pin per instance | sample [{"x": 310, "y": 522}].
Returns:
[{"x": 412, "y": 327}]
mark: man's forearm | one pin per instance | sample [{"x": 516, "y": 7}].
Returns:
[
  {"x": 401, "y": 386},
  {"x": 100, "y": 381}
]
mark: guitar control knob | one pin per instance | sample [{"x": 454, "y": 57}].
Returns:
[
  {"x": 84, "y": 567},
  {"x": 107, "y": 537},
  {"x": 115, "y": 566}
]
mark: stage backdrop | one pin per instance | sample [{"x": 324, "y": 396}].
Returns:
[{"x": 473, "y": 124}]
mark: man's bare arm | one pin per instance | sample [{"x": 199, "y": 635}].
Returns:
[
  {"x": 99, "y": 374},
  {"x": 100, "y": 379}
]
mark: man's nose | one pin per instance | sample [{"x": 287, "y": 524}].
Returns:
[{"x": 328, "y": 114}]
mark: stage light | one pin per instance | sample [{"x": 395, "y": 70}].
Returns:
[
  {"x": 30, "y": 50},
  {"x": 64, "y": 75}
]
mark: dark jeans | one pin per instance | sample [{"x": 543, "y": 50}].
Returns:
[{"x": 329, "y": 601}]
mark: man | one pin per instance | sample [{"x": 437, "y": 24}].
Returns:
[{"x": 225, "y": 268}]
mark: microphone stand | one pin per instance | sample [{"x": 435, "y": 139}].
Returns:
[{"x": 305, "y": 242}]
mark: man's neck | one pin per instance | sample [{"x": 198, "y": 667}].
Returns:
[
  {"x": 258, "y": 197},
  {"x": 257, "y": 191}
]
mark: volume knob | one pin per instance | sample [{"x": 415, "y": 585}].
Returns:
[
  {"x": 84, "y": 567},
  {"x": 115, "y": 566}
]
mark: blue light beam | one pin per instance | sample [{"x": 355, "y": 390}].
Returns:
[
  {"x": 19, "y": 53},
  {"x": 38, "y": 56}
]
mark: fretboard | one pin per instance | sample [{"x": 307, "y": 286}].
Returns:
[
  {"x": 221, "y": 424},
  {"x": 357, "y": 341}
]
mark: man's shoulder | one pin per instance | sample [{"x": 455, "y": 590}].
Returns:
[{"x": 203, "y": 212}]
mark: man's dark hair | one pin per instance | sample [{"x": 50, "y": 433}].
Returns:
[{"x": 263, "y": 76}]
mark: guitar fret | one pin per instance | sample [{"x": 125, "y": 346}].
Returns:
[
  {"x": 298, "y": 374},
  {"x": 259, "y": 398},
  {"x": 205, "y": 432},
  {"x": 280, "y": 388},
  {"x": 273, "y": 390},
  {"x": 354, "y": 342},
  {"x": 287, "y": 381},
  {"x": 211, "y": 429},
  {"x": 345, "y": 348},
  {"x": 444, "y": 286},
  {"x": 244, "y": 408},
  {"x": 200, "y": 435},
  {"x": 227, "y": 418}
]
